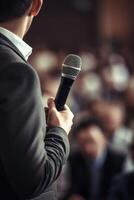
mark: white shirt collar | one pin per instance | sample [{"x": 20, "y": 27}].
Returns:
[{"x": 24, "y": 48}]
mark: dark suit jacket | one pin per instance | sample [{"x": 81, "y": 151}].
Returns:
[
  {"x": 81, "y": 174},
  {"x": 30, "y": 159},
  {"x": 122, "y": 188}
]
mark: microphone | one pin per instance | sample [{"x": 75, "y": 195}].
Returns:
[{"x": 71, "y": 68}]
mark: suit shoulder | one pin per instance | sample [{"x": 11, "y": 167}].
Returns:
[
  {"x": 10, "y": 60},
  {"x": 18, "y": 84},
  {"x": 8, "y": 56},
  {"x": 18, "y": 76}
]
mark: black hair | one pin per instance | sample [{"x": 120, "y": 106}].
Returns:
[
  {"x": 87, "y": 122},
  {"x": 11, "y": 9}
]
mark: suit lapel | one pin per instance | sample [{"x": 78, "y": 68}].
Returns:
[{"x": 6, "y": 42}]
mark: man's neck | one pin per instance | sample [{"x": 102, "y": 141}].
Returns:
[{"x": 18, "y": 27}]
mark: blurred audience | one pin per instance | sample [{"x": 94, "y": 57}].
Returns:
[
  {"x": 129, "y": 101},
  {"x": 94, "y": 165},
  {"x": 104, "y": 90},
  {"x": 129, "y": 164},
  {"x": 118, "y": 134}
]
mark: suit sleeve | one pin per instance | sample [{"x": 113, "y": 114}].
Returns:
[{"x": 32, "y": 159}]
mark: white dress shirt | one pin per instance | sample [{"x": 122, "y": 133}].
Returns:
[{"x": 24, "y": 48}]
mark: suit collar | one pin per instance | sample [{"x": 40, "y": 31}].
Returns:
[{"x": 6, "y": 42}]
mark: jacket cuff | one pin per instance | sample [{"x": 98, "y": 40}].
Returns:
[{"x": 60, "y": 132}]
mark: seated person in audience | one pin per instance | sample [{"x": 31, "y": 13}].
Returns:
[
  {"x": 94, "y": 165},
  {"x": 129, "y": 163},
  {"x": 119, "y": 135},
  {"x": 122, "y": 187}
]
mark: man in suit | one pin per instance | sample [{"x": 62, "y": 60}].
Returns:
[
  {"x": 93, "y": 166},
  {"x": 31, "y": 158},
  {"x": 122, "y": 188}
]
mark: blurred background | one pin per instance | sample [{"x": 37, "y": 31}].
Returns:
[{"x": 101, "y": 32}]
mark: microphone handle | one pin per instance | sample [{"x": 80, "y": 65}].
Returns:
[{"x": 63, "y": 92}]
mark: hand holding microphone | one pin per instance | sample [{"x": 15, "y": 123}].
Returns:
[
  {"x": 63, "y": 119},
  {"x": 71, "y": 68},
  {"x": 58, "y": 113}
]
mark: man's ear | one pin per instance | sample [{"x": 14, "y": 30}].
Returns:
[{"x": 35, "y": 7}]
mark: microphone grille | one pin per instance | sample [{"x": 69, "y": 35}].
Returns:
[{"x": 72, "y": 66}]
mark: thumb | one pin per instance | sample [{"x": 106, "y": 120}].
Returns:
[{"x": 51, "y": 103}]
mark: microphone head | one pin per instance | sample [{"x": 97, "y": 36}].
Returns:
[{"x": 71, "y": 66}]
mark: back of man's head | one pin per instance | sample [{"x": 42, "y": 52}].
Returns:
[
  {"x": 90, "y": 136},
  {"x": 86, "y": 122},
  {"x": 12, "y": 9}
]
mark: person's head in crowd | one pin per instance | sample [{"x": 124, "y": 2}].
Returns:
[
  {"x": 96, "y": 107},
  {"x": 90, "y": 136},
  {"x": 113, "y": 116},
  {"x": 18, "y": 15}
]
